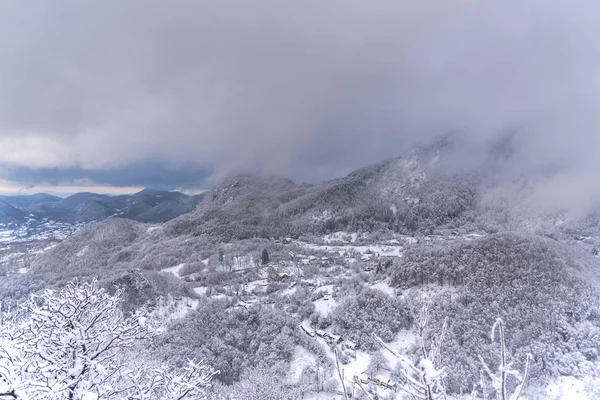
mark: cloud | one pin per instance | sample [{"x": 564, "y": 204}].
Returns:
[
  {"x": 309, "y": 89},
  {"x": 230, "y": 85},
  {"x": 155, "y": 174},
  {"x": 10, "y": 188}
]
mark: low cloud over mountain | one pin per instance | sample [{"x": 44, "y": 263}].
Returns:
[{"x": 311, "y": 90}]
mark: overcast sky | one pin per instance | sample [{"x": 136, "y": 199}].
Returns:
[{"x": 179, "y": 94}]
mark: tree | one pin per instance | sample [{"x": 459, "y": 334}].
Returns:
[
  {"x": 161, "y": 383},
  {"x": 378, "y": 361},
  {"x": 262, "y": 384},
  {"x": 423, "y": 381},
  {"x": 265, "y": 257},
  {"x": 69, "y": 345},
  {"x": 499, "y": 380}
]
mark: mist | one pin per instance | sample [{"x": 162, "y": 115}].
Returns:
[{"x": 311, "y": 90}]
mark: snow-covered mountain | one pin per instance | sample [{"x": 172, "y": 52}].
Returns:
[
  {"x": 41, "y": 216},
  {"x": 347, "y": 259}
]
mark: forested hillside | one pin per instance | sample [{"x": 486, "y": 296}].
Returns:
[{"x": 269, "y": 276}]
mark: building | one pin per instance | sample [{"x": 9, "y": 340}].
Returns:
[
  {"x": 350, "y": 345},
  {"x": 308, "y": 331},
  {"x": 334, "y": 338}
]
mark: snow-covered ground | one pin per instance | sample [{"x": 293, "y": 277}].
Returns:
[
  {"x": 340, "y": 236},
  {"x": 201, "y": 291},
  {"x": 36, "y": 230},
  {"x": 375, "y": 250},
  {"x": 384, "y": 287},
  {"x": 570, "y": 388},
  {"x": 174, "y": 270},
  {"x": 301, "y": 360},
  {"x": 325, "y": 307}
]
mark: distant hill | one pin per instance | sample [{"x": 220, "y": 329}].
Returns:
[
  {"x": 145, "y": 206},
  {"x": 29, "y": 200},
  {"x": 10, "y": 214}
]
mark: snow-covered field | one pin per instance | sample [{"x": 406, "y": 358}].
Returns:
[
  {"x": 375, "y": 250},
  {"x": 34, "y": 230}
]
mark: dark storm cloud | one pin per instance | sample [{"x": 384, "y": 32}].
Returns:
[
  {"x": 309, "y": 89},
  {"x": 151, "y": 174}
]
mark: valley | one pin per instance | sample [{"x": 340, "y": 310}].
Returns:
[{"x": 259, "y": 279}]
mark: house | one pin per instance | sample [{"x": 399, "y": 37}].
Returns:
[
  {"x": 334, "y": 338},
  {"x": 308, "y": 331},
  {"x": 350, "y": 345},
  {"x": 362, "y": 378}
]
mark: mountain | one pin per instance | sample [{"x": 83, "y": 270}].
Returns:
[
  {"x": 403, "y": 195},
  {"x": 29, "y": 200},
  {"x": 41, "y": 216},
  {"x": 147, "y": 206},
  {"x": 350, "y": 256},
  {"x": 10, "y": 214}
]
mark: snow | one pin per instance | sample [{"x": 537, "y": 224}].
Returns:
[
  {"x": 301, "y": 359},
  {"x": 326, "y": 289},
  {"x": 325, "y": 307},
  {"x": 356, "y": 366},
  {"x": 201, "y": 291},
  {"x": 82, "y": 252},
  {"x": 340, "y": 236},
  {"x": 404, "y": 340},
  {"x": 377, "y": 250},
  {"x": 241, "y": 263},
  {"x": 568, "y": 388},
  {"x": 38, "y": 230},
  {"x": 323, "y": 396},
  {"x": 255, "y": 285},
  {"x": 384, "y": 287},
  {"x": 174, "y": 270},
  {"x": 169, "y": 309},
  {"x": 289, "y": 291},
  {"x": 472, "y": 236}
]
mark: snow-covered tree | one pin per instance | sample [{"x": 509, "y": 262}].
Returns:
[
  {"x": 164, "y": 384},
  {"x": 423, "y": 381},
  {"x": 265, "y": 257},
  {"x": 69, "y": 345},
  {"x": 500, "y": 378},
  {"x": 377, "y": 362},
  {"x": 262, "y": 384}
]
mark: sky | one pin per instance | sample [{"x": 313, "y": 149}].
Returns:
[{"x": 118, "y": 95}]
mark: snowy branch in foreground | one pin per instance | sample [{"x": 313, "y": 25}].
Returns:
[
  {"x": 423, "y": 380},
  {"x": 499, "y": 379},
  {"x": 68, "y": 345}
]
